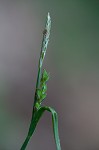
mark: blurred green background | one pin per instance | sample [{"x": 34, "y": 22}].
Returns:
[{"x": 73, "y": 62}]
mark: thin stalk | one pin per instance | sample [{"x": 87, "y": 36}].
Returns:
[{"x": 25, "y": 143}]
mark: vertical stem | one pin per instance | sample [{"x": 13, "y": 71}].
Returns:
[
  {"x": 25, "y": 143},
  {"x": 37, "y": 85}
]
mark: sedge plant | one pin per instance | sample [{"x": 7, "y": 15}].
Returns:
[{"x": 40, "y": 93}]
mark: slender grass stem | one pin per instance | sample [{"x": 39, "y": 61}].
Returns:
[{"x": 25, "y": 143}]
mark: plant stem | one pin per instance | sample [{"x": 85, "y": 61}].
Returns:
[{"x": 25, "y": 143}]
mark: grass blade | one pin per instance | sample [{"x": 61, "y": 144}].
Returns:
[{"x": 36, "y": 118}]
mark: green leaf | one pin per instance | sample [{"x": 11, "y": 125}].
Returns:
[
  {"x": 55, "y": 126},
  {"x": 36, "y": 118}
]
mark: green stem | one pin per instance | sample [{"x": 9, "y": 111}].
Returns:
[
  {"x": 28, "y": 136},
  {"x": 37, "y": 85},
  {"x": 25, "y": 143}
]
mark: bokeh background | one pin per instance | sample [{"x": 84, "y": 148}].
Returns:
[{"x": 73, "y": 62}]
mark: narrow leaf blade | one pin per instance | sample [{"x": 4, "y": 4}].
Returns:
[{"x": 54, "y": 121}]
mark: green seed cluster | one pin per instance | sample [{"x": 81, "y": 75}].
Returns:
[{"x": 41, "y": 91}]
